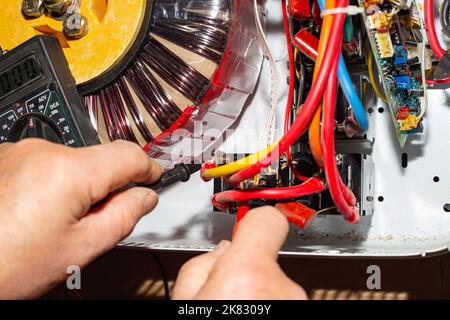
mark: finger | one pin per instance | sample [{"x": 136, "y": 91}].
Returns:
[
  {"x": 103, "y": 228},
  {"x": 262, "y": 232},
  {"x": 194, "y": 273},
  {"x": 4, "y": 150},
  {"x": 108, "y": 167},
  {"x": 5, "y": 145}
]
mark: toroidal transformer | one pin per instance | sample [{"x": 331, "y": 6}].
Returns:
[{"x": 148, "y": 68}]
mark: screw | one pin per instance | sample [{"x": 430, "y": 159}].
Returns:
[
  {"x": 53, "y": 4},
  {"x": 75, "y": 25},
  {"x": 33, "y": 8},
  {"x": 339, "y": 159},
  {"x": 58, "y": 7}
]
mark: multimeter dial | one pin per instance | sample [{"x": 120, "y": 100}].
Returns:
[
  {"x": 40, "y": 116},
  {"x": 34, "y": 126}
]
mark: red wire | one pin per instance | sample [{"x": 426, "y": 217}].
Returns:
[
  {"x": 244, "y": 208},
  {"x": 339, "y": 192},
  {"x": 313, "y": 185},
  {"x": 310, "y": 106},
  {"x": 431, "y": 30},
  {"x": 287, "y": 117},
  {"x": 438, "y": 81},
  {"x": 433, "y": 39}
]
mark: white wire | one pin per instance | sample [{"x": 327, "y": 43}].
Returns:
[
  {"x": 285, "y": 54},
  {"x": 275, "y": 79},
  {"x": 349, "y": 10}
]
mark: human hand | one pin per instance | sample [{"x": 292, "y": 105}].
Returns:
[
  {"x": 246, "y": 269},
  {"x": 46, "y": 220}
]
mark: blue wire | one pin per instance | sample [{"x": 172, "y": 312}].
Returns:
[{"x": 349, "y": 90}]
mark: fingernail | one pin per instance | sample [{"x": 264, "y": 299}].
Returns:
[
  {"x": 150, "y": 201},
  {"x": 222, "y": 246}
]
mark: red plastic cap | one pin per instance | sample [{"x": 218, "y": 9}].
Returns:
[{"x": 297, "y": 213}]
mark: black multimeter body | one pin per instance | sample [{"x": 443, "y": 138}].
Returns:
[{"x": 39, "y": 97}]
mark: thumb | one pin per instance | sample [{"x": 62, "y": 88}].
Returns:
[
  {"x": 194, "y": 273},
  {"x": 115, "y": 219},
  {"x": 263, "y": 231}
]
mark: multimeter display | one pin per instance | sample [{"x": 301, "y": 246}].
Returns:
[
  {"x": 19, "y": 75},
  {"x": 39, "y": 98}
]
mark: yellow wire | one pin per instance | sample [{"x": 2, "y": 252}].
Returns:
[
  {"x": 297, "y": 72},
  {"x": 372, "y": 78},
  {"x": 232, "y": 168}
]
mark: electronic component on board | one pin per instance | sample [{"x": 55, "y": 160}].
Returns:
[
  {"x": 396, "y": 34},
  {"x": 384, "y": 44}
]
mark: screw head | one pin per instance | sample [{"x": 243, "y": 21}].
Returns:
[
  {"x": 58, "y": 7},
  {"x": 33, "y": 8},
  {"x": 53, "y": 3},
  {"x": 75, "y": 26}
]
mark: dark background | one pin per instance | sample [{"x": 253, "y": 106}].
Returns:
[{"x": 134, "y": 274}]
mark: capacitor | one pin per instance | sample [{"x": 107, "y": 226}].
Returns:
[
  {"x": 403, "y": 114},
  {"x": 299, "y": 9},
  {"x": 307, "y": 43},
  {"x": 297, "y": 213}
]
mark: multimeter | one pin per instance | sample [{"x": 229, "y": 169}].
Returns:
[{"x": 39, "y": 97}]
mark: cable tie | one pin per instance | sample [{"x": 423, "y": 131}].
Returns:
[{"x": 350, "y": 10}]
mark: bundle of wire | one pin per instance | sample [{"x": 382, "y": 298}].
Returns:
[{"x": 324, "y": 86}]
